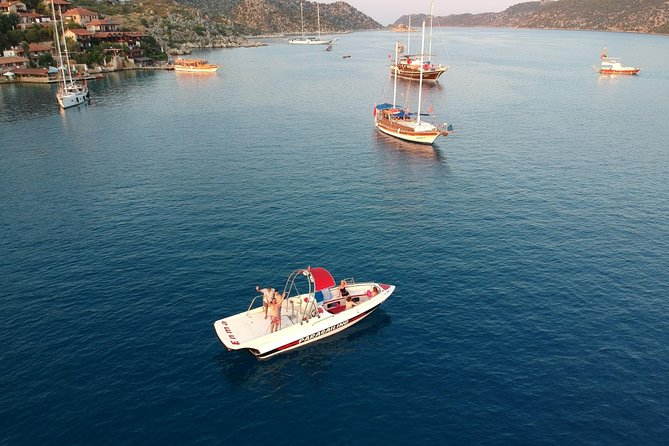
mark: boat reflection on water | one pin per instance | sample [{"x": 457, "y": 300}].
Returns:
[
  {"x": 242, "y": 369},
  {"x": 427, "y": 86},
  {"x": 408, "y": 148}
]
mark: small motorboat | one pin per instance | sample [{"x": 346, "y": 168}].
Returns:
[{"x": 317, "y": 312}]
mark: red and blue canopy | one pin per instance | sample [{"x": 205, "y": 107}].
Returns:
[{"x": 320, "y": 277}]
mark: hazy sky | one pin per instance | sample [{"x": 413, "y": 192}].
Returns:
[{"x": 387, "y": 11}]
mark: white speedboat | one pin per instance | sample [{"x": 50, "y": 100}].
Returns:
[{"x": 305, "y": 317}]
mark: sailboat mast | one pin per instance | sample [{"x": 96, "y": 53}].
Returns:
[
  {"x": 60, "y": 54},
  {"x": 318, "y": 19},
  {"x": 420, "y": 82},
  {"x": 429, "y": 51},
  {"x": 302, "y": 17},
  {"x": 409, "y": 37},
  {"x": 67, "y": 56},
  {"x": 397, "y": 51}
]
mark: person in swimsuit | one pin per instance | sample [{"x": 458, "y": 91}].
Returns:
[
  {"x": 267, "y": 294},
  {"x": 342, "y": 288},
  {"x": 349, "y": 303},
  {"x": 275, "y": 311}
]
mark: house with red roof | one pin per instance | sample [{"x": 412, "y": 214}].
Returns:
[
  {"x": 12, "y": 7},
  {"x": 7, "y": 63},
  {"x": 80, "y": 16},
  {"x": 35, "y": 50},
  {"x": 28, "y": 19},
  {"x": 102, "y": 25}
]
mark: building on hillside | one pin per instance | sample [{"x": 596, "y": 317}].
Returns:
[
  {"x": 80, "y": 16},
  {"x": 82, "y": 36},
  {"x": 102, "y": 25},
  {"x": 29, "y": 19},
  {"x": 35, "y": 75},
  {"x": 63, "y": 5},
  {"x": 8, "y": 63},
  {"x": 12, "y": 7},
  {"x": 35, "y": 50}
]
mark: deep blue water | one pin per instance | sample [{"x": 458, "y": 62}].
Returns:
[{"x": 530, "y": 250}]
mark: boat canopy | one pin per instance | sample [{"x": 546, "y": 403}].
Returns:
[
  {"x": 396, "y": 112},
  {"x": 320, "y": 277}
]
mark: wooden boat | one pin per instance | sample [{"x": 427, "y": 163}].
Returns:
[
  {"x": 194, "y": 66},
  {"x": 400, "y": 123},
  {"x": 414, "y": 66}
]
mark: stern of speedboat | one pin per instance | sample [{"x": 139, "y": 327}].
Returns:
[{"x": 235, "y": 332}]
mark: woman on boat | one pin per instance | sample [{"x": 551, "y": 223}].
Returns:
[
  {"x": 349, "y": 303},
  {"x": 342, "y": 288}
]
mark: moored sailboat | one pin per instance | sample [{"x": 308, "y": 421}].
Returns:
[
  {"x": 310, "y": 40},
  {"x": 70, "y": 92},
  {"x": 399, "y": 122},
  {"x": 414, "y": 66}
]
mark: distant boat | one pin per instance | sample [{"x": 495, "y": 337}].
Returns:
[
  {"x": 328, "y": 48},
  {"x": 347, "y": 56},
  {"x": 413, "y": 66},
  {"x": 612, "y": 65},
  {"x": 70, "y": 92},
  {"x": 399, "y": 122},
  {"x": 194, "y": 66},
  {"x": 310, "y": 40}
]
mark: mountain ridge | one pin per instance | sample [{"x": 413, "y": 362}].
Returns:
[{"x": 642, "y": 16}]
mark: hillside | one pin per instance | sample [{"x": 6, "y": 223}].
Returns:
[
  {"x": 643, "y": 16},
  {"x": 283, "y": 16},
  {"x": 183, "y": 24}
]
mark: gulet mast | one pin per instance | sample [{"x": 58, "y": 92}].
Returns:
[{"x": 420, "y": 82}]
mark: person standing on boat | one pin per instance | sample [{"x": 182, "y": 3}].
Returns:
[
  {"x": 342, "y": 288},
  {"x": 267, "y": 294},
  {"x": 275, "y": 311}
]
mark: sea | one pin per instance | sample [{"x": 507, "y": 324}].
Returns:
[{"x": 530, "y": 248}]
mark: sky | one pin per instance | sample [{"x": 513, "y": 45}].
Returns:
[{"x": 387, "y": 11}]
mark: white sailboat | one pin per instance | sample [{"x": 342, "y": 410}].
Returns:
[
  {"x": 70, "y": 92},
  {"x": 310, "y": 40},
  {"x": 399, "y": 122}
]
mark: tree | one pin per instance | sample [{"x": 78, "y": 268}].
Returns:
[{"x": 45, "y": 60}]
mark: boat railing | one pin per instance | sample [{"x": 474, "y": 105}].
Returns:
[{"x": 251, "y": 305}]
